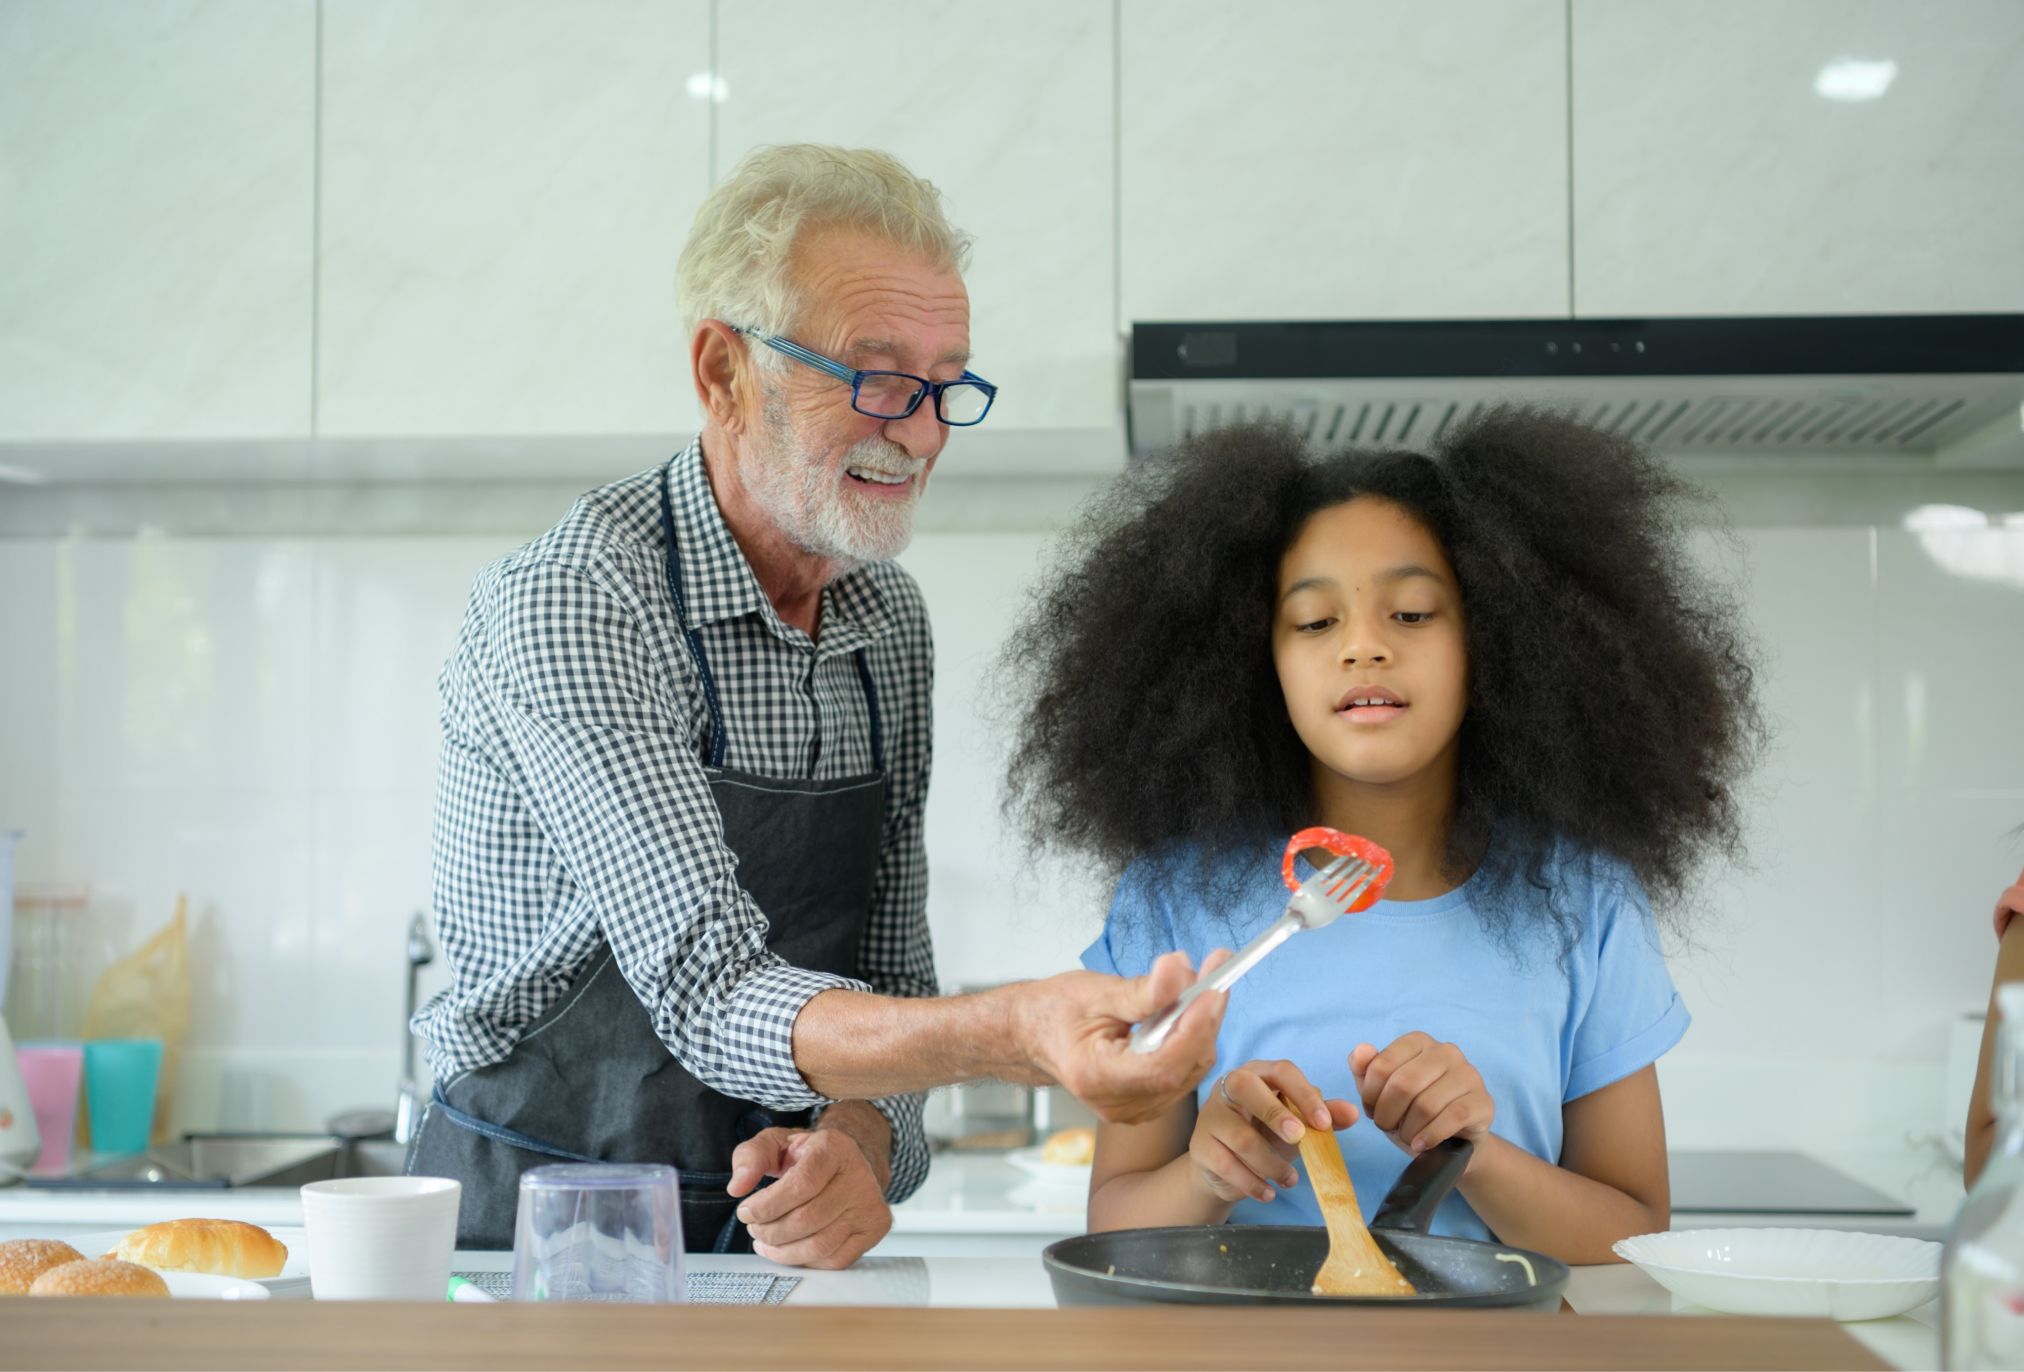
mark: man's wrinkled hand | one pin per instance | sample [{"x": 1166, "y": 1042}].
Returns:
[
  {"x": 826, "y": 1209},
  {"x": 1076, "y": 1029}
]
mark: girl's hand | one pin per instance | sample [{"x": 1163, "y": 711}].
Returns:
[
  {"x": 1245, "y": 1138},
  {"x": 1420, "y": 1092},
  {"x": 2009, "y": 905}
]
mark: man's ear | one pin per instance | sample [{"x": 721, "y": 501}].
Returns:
[{"x": 720, "y": 365}]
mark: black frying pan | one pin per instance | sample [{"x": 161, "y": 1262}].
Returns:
[{"x": 1273, "y": 1264}]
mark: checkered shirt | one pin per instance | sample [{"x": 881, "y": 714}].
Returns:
[{"x": 572, "y": 808}]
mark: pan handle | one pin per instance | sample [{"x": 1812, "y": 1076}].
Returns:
[{"x": 1421, "y": 1188}]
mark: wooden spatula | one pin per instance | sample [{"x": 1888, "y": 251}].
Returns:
[{"x": 1356, "y": 1266}]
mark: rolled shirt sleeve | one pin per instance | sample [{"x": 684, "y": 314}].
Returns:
[{"x": 1632, "y": 1014}]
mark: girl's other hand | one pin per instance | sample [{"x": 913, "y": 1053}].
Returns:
[
  {"x": 1421, "y": 1092},
  {"x": 1245, "y": 1138},
  {"x": 2009, "y": 905}
]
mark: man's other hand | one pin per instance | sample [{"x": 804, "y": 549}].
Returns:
[{"x": 826, "y": 1209}]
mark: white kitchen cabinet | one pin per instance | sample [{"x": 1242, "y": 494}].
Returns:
[
  {"x": 505, "y": 186},
  {"x": 1798, "y": 156},
  {"x": 155, "y": 194},
  {"x": 1289, "y": 159},
  {"x": 1008, "y": 110}
]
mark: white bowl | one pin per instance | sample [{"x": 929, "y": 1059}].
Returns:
[
  {"x": 1831, "y": 1273},
  {"x": 1033, "y": 1162}
]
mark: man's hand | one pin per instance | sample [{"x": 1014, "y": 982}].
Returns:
[
  {"x": 826, "y": 1210},
  {"x": 1075, "y": 1028}
]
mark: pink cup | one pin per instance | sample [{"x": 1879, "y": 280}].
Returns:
[{"x": 51, "y": 1072}]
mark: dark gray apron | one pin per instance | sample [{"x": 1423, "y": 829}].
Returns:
[{"x": 590, "y": 1080}]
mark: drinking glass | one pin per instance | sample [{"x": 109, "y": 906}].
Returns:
[
  {"x": 598, "y": 1232},
  {"x": 52, "y": 1072},
  {"x": 120, "y": 1076}
]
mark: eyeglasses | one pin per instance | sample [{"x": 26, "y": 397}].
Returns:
[{"x": 894, "y": 395}]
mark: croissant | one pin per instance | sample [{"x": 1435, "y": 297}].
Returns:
[{"x": 228, "y": 1248}]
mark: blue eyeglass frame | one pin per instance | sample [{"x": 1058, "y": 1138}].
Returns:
[{"x": 855, "y": 377}]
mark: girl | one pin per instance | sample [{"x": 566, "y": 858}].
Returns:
[
  {"x": 1497, "y": 662},
  {"x": 1982, "y": 1122}
]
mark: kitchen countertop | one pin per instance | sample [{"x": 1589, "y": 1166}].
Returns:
[
  {"x": 266, "y": 1335},
  {"x": 969, "y": 1193},
  {"x": 991, "y": 1219},
  {"x": 985, "y": 1194},
  {"x": 1608, "y": 1294},
  {"x": 1908, "y": 1341}
]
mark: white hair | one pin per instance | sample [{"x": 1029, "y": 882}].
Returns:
[{"x": 736, "y": 264}]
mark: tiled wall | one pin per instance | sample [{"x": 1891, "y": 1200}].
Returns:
[{"x": 251, "y": 720}]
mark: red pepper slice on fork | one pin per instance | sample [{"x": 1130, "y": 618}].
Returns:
[{"x": 1342, "y": 845}]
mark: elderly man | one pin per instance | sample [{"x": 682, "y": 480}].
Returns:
[{"x": 679, "y": 870}]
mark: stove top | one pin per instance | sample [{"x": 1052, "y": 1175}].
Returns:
[{"x": 1771, "y": 1183}]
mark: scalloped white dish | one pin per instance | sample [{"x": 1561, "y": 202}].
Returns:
[
  {"x": 1821, "y": 1273},
  {"x": 204, "y": 1286}
]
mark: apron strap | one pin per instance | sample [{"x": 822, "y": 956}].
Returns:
[
  {"x": 878, "y": 752},
  {"x": 694, "y": 638},
  {"x": 711, "y": 1182},
  {"x": 499, "y": 1133}
]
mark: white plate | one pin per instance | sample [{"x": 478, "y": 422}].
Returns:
[
  {"x": 1051, "y": 1198},
  {"x": 204, "y": 1286},
  {"x": 294, "y": 1270},
  {"x": 1033, "y": 1162},
  {"x": 1832, "y": 1273}
]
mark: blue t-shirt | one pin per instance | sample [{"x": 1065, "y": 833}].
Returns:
[{"x": 1542, "y": 1030}]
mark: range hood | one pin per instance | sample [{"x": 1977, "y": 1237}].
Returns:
[{"x": 1940, "y": 390}]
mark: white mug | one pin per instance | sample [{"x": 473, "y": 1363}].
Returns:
[{"x": 381, "y": 1238}]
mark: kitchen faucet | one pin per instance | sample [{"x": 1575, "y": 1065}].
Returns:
[{"x": 420, "y": 954}]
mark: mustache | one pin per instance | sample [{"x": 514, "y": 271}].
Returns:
[{"x": 885, "y": 457}]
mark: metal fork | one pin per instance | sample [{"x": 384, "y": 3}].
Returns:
[{"x": 1322, "y": 899}]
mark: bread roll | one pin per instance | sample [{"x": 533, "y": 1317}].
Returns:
[
  {"x": 99, "y": 1277},
  {"x": 1069, "y": 1147},
  {"x": 23, "y": 1260},
  {"x": 225, "y": 1248}
]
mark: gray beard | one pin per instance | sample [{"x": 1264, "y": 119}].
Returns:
[{"x": 806, "y": 502}]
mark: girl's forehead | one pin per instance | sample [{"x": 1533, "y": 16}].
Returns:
[{"x": 1365, "y": 536}]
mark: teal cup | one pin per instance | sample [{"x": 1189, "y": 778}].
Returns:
[{"x": 120, "y": 1076}]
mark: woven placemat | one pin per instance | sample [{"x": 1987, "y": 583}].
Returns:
[
  {"x": 703, "y": 1288},
  {"x": 739, "y": 1288}
]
